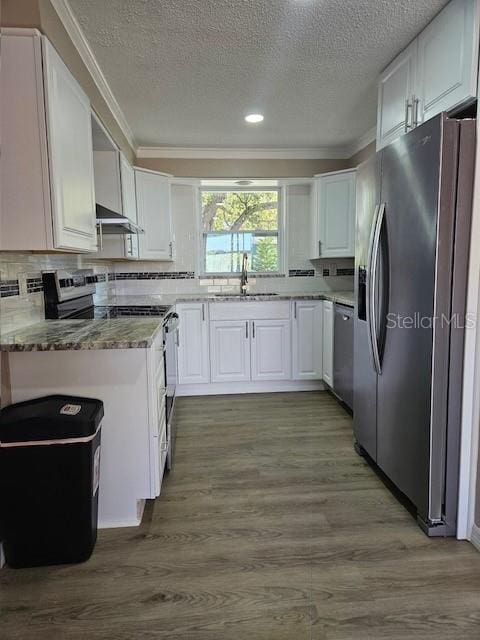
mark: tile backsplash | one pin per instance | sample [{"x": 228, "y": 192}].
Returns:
[{"x": 21, "y": 288}]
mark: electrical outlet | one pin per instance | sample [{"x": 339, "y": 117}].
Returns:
[
  {"x": 333, "y": 268},
  {"x": 22, "y": 284}
]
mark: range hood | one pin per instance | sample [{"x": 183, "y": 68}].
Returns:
[{"x": 110, "y": 223}]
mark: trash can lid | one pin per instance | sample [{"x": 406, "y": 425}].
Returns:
[{"x": 54, "y": 417}]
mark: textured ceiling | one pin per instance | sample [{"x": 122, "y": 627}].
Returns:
[{"x": 185, "y": 72}]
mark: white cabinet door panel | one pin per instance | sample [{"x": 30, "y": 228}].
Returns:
[
  {"x": 154, "y": 216},
  {"x": 129, "y": 202},
  {"x": 25, "y": 205},
  {"x": 307, "y": 340},
  {"x": 328, "y": 319},
  {"x": 193, "y": 351},
  {"x": 230, "y": 351},
  {"x": 447, "y": 60},
  {"x": 270, "y": 349},
  {"x": 395, "y": 88},
  {"x": 69, "y": 129},
  {"x": 108, "y": 189},
  {"x": 336, "y": 215}
]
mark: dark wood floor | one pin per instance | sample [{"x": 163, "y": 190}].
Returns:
[{"x": 270, "y": 527}]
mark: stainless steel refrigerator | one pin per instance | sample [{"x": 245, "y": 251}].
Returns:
[{"x": 411, "y": 261}]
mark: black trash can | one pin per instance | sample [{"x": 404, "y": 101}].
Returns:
[{"x": 49, "y": 477}]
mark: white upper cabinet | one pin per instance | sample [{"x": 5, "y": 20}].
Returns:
[
  {"x": 129, "y": 201},
  {"x": 230, "y": 350},
  {"x": 436, "y": 72},
  {"x": 328, "y": 327},
  {"x": 307, "y": 339},
  {"x": 108, "y": 187},
  {"x": 395, "y": 90},
  {"x": 48, "y": 198},
  {"x": 114, "y": 189},
  {"x": 154, "y": 213},
  {"x": 193, "y": 350},
  {"x": 69, "y": 131},
  {"x": 447, "y": 60},
  {"x": 334, "y": 215}
]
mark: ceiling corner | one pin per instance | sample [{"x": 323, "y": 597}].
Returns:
[{"x": 79, "y": 41}]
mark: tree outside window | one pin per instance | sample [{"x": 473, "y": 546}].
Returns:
[{"x": 235, "y": 222}]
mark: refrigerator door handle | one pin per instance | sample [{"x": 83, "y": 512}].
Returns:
[
  {"x": 372, "y": 271},
  {"x": 368, "y": 283}
]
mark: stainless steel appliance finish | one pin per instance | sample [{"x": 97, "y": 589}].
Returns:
[
  {"x": 111, "y": 223},
  {"x": 343, "y": 354},
  {"x": 413, "y": 227},
  {"x": 68, "y": 294},
  {"x": 171, "y": 339}
]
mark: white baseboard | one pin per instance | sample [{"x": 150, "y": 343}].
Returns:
[
  {"x": 117, "y": 524},
  {"x": 127, "y": 521},
  {"x": 224, "y": 388},
  {"x": 475, "y": 536}
]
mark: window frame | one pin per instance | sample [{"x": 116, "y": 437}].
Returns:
[{"x": 201, "y": 236}]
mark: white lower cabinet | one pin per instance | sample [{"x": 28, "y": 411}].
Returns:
[
  {"x": 235, "y": 347},
  {"x": 244, "y": 350},
  {"x": 307, "y": 339},
  {"x": 270, "y": 350},
  {"x": 193, "y": 351},
  {"x": 230, "y": 351},
  {"x": 328, "y": 342},
  {"x": 131, "y": 385}
]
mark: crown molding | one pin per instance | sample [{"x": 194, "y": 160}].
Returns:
[
  {"x": 77, "y": 36},
  {"x": 363, "y": 141},
  {"x": 254, "y": 153},
  {"x": 243, "y": 153}
]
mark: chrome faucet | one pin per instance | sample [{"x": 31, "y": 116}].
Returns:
[{"x": 244, "y": 277}]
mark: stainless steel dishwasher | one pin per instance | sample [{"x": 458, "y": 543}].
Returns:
[{"x": 343, "y": 354}]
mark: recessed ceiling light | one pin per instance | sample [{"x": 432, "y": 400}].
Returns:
[{"x": 254, "y": 118}]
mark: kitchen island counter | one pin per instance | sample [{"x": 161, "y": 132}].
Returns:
[{"x": 67, "y": 335}]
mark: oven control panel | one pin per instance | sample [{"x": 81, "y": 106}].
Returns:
[{"x": 67, "y": 285}]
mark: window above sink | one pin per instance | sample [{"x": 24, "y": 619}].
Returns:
[{"x": 241, "y": 219}]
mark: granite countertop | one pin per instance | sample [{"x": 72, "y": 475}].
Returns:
[
  {"x": 129, "y": 332},
  {"x": 342, "y": 297},
  {"x": 152, "y": 301},
  {"x": 63, "y": 335}
]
